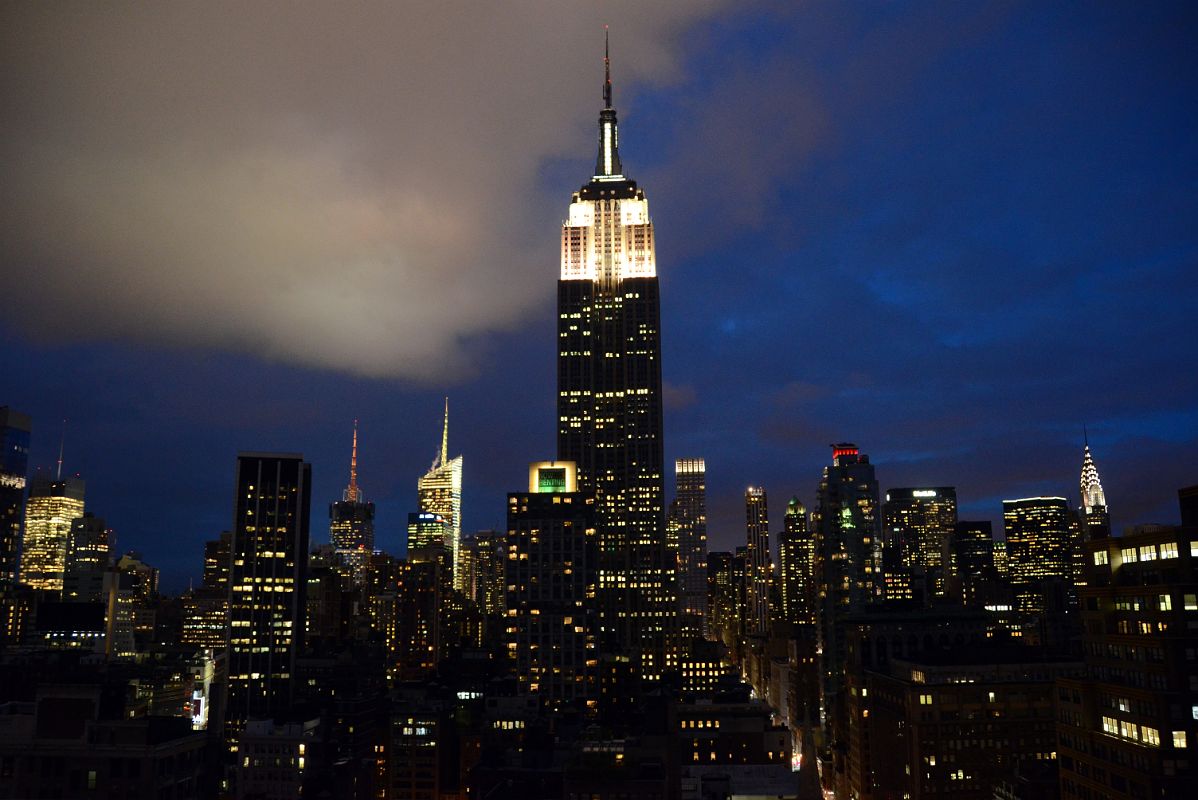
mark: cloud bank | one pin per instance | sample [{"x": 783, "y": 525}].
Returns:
[{"x": 352, "y": 187}]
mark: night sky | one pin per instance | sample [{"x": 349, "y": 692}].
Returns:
[{"x": 953, "y": 233}]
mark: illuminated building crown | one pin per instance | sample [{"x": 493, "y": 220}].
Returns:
[{"x": 1091, "y": 486}]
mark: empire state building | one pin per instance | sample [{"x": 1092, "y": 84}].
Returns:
[{"x": 609, "y": 401}]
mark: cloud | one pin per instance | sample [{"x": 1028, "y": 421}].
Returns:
[{"x": 346, "y": 187}]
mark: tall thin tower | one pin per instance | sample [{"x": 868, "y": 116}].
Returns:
[
  {"x": 690, "y": 518},
  {"x": 757, "y": 539},
  {"x": 439, "y": 491},
  {"x": 1096, "y": 520},
  {"x": 609, "y": 400}
]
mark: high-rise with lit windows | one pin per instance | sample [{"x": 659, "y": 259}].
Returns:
[
  {"x": 757, "y": 540},
  {"x": 690, "y": 517},
  {"x": 609, "y": 409},
  {"x": 796, "y": 552},
  {"x": 267, "y": 582},
  {"x": 1039, "y": 547},
  {"x": 439, "y": 491},
  {"x": 52, "y": 507},
  {"x": 918, "y": 528}
]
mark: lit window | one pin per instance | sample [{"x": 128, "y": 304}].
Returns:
[
  {"x": 1179, "y": 739},
  {"x": 1150, "y": 736},
  {"x": 1129, "y": 730},
  {"x": 1148, "y": 553},
  {"x": 1191, "y": 602},
  {"x": 1110, "y": 725},
  {"x": 1100, "y": 557},
  {"x": 1169, "y": 550},
  {"x": 926, "y": 700},
  {"x": 1165, "y": 602},
  {"x": 1129, "y": 555}
]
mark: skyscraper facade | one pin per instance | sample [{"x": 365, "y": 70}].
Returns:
[
  {"x": 918, "y": 526},
  {"x": 757, "y": 540},
  {"x": 848, "y": 556},
  {"x": 86, "y": 560},
  {"x": 14, "y": 466},
  {"x": 796, "y": 555},
  {"x": 690, "y": 516},
  {"x": 351, "y": 522},
  {"x": 1039, "y": 546},
  {"x": 439, "y": 491},
  {"x": 609, "y": 401},
  {"x": 267, "y": 582},
  {"x": 52, "y": 507}
]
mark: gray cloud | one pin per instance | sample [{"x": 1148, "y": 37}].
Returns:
[{"x": 348, "y": 187}]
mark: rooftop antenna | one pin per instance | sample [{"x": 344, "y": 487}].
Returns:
[
  {"x": 352, "y": 492},
  {"x": 445, "y": 436},
  {"x": 606, "y": 71}
]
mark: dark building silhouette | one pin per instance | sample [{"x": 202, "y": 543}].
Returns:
[
  {"x": 757, "y": 542},
  {"x": 14, "y": 467},
  {"x": 351, "y": 522},
  {"x": 690, "y": 518}
]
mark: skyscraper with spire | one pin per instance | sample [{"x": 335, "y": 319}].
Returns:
[
  {"x": 1096, "y": 521},
  {"x": 439, "y": 491},
  {"x": 351, "y": 522},
  {"x": 609, "y": 400}
]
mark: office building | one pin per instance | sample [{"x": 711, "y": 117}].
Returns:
[
  {"x": 609, "y": 401},
  {"x": 690, "y": 517},
  {"x": 52, "y": 507},
  {"x": 267, "y": 582},
  {"x": 551, "y": 577},
  {"x": 14, "y": 467},
  {"x": 439, "y": 491},
  {"x": 1039, "y": 548},
  {"x": 351, "y": 522},
  {"x": 760, "y": 566}
]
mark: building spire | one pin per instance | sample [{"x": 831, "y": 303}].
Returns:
[
  {"x": 445, "y": 437},
  {"x": 606, "y": 70},
  {"x": 607, "y": 165},
  {"x": 1092, "y": 494},
  {"x": 62, "y": 443},
  {"x": 352, "y": 493}
]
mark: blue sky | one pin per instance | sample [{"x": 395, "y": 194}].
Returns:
[{"x": 952, "y": 233}]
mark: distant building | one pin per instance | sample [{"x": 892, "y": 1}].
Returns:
[
  {"x": 14, "y": 467},
  {"x": 439, "y": 491},
  {"x": 972, "y": 554},
  {"x": 551, "y": 581},
  {"x": 218, "y": 562},
  {"x": 760, "y": 566},
  {"x": 1095, "y": 518},
  {"x": 52, "y": 507},
  {"x": 351, "y": 522},
  {"x": 690, "y": 516},
  {"x": 272, "y": 512}
]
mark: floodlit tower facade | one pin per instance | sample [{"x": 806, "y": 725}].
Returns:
[
  {"x": 609, "y": 402},
  {"x": 690, "y": 516},
  {"x": 52, "y": 508},
  {"x": 351, "y": 522},
  {"x": 439, "y": 491},
  {"x": 757, "y": 535}
]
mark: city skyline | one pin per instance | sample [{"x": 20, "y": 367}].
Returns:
[{"x": 998, "y": 419}]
